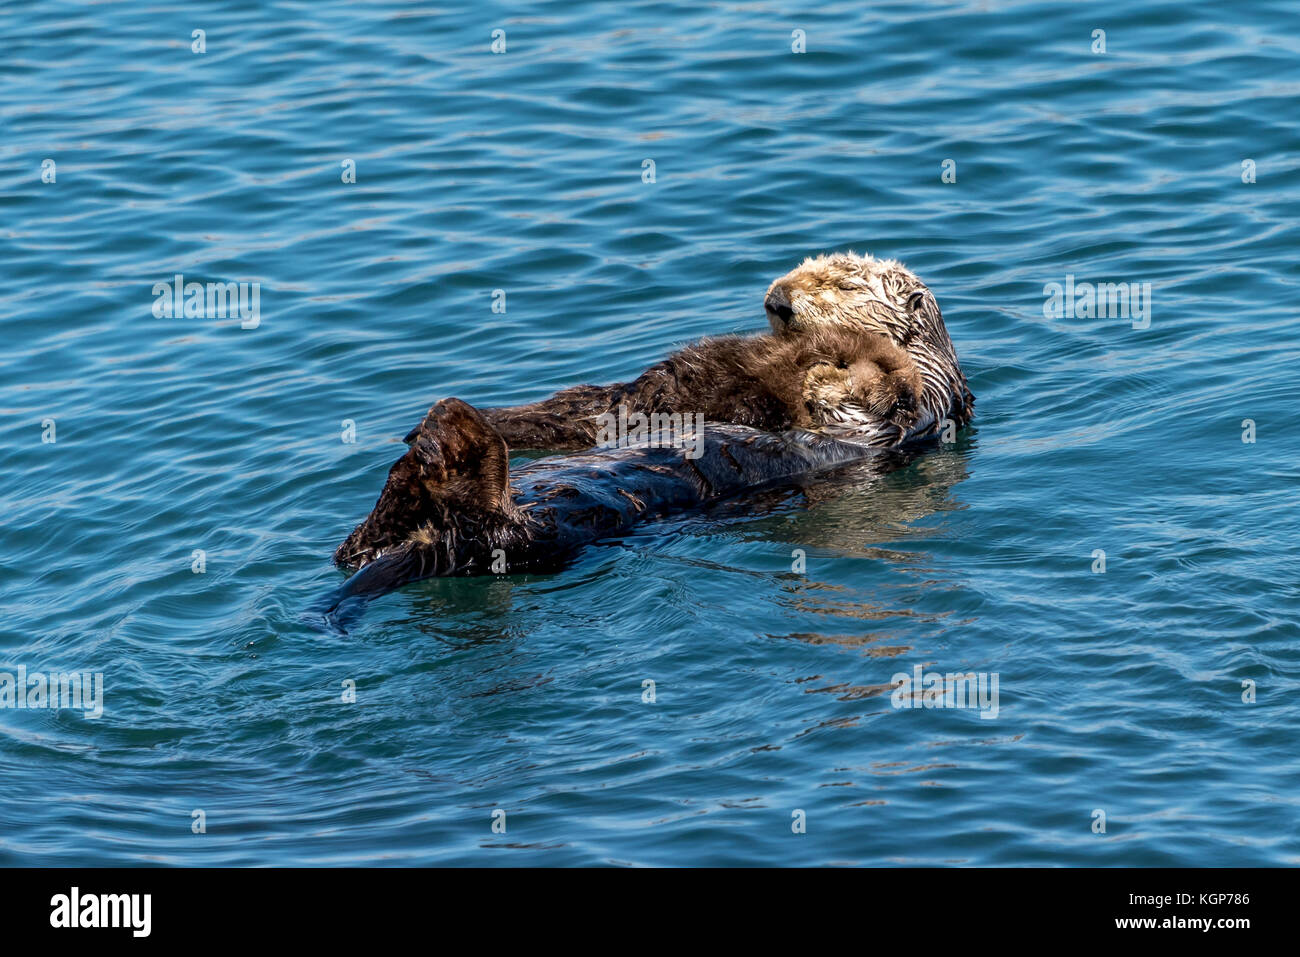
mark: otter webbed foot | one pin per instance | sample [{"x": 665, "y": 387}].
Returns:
[
  {"x": 456, "y": 462},
  {"x": 466, "y": 460}
]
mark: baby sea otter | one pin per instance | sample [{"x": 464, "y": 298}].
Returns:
[
  {"x": 816, "y": 381},
  {"x": 832, "y": 378},
  {"x": 841, "y": 291}
]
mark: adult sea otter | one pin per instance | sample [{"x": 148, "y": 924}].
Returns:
[{"x": 858, "y": 350}]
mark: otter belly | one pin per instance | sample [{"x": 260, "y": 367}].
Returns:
[{"x": 607, "y": 490}]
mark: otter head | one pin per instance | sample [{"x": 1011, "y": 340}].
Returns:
[
  {"x": 845, "y": 290},
  {"x": 852, "y": 291}
]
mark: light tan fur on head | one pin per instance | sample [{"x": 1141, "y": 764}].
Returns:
[
  {"x": 881, "y": 296},
  {"x": 845, "y": 289}
]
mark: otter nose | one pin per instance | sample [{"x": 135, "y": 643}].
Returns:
[{"x": 777, "y": 305}]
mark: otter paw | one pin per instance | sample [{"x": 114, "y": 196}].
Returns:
[
  {"x": 894, "y": 397},
  {"x": 826, "y": 384}
]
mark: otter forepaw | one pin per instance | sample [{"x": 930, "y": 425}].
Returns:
[
  {"x": 894, "y": 397},
  {"x": 826, "y": 384}
]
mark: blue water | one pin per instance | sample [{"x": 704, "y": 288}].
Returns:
[{"x": 1120, "y": 691}]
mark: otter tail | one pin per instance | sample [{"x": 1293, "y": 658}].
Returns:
[{"x": 391, "y": 570}]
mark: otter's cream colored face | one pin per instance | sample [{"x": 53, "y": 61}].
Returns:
[{"x": 848, "y": 290}]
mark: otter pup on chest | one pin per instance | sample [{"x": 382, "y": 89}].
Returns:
[
  {"x": 841, "y": 291},
  {"x": 842, "y": 380}
]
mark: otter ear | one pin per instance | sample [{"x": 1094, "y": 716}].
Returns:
[{"x": 921, "y": 302}]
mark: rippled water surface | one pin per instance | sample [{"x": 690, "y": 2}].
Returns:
[{"x": 1120, "y": 691}]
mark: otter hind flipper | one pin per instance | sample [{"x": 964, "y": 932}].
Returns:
[
  {"x": 469, "y": 458},
  {"x": 456, "y": 461}
]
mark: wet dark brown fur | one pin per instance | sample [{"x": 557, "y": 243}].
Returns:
[
  {"x": 454, "y": 476},
  {"x": 761, "y": 381},
  {"x": 443, "y": 512}
]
